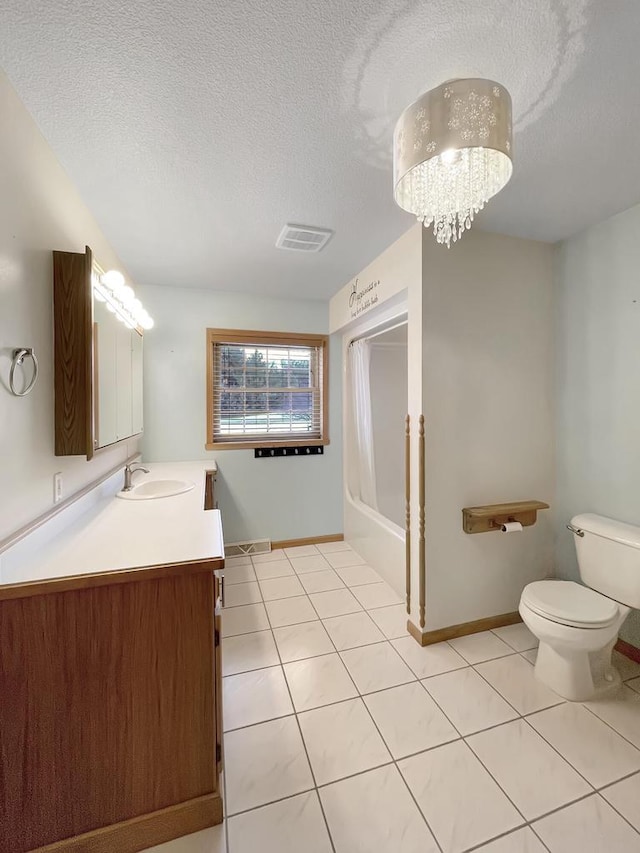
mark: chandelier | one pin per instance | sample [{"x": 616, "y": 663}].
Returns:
[{"x": 452, "y": 153}]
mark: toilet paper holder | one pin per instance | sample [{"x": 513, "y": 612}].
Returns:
[
  {"x": 483, "y": 519},
  {"x": 509, "y": 526}
]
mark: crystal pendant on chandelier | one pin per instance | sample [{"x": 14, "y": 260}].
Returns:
[{"x": 452, "y": 153}]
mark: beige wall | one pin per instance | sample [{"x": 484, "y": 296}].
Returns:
[
  {"x": 598, "y": 387},
  {"x": 281, "y": 498},
  {"x": 488, "y": 405},
  {"x": 39, "y": 211},
  {"x": 397, "y": 274},
  {"x": 481, "y": 370}
]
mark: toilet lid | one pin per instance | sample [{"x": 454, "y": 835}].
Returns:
[{"x": 570, "y": 604}]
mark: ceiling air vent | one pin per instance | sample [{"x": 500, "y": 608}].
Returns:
[{"x": 303, "y": 238}]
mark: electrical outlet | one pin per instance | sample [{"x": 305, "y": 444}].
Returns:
[{"x": 57, "y": 487}]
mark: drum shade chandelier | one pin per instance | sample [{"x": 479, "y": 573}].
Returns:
[{"x": 452, "y": 153}]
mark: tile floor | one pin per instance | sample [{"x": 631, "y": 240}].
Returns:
[{"x": 342, "y": 735}]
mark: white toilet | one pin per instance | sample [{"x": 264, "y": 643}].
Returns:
[{"x": 578, "y": 625}]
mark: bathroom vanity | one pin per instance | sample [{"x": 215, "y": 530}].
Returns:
[{"x": 110, "y": 675}]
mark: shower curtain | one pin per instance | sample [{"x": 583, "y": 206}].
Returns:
[{"x": 360, "y": 364}]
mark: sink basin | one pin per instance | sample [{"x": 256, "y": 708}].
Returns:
[{"x": 156, "y": 489}]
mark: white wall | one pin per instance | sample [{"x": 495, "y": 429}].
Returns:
[
  {"x": 488, "y": 406},
  {"x": 280, "y": 498},
  {"x": 356, "y": 310},
  {"x": 389, "y": 409},
  {"x": 39, "y": 211},
  {"x": 598, "y": 381}
]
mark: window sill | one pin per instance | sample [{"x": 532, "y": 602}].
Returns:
[{"x": 251, "y": 445}]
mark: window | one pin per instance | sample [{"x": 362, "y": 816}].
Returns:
[{"x": 265, "y": 389}]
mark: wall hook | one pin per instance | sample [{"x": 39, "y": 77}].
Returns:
[{"x": 19, "y": 356}]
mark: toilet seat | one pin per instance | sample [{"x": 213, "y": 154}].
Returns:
[{"x": 570, "y": 603}]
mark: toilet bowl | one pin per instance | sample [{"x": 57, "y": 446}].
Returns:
[
  {"x": 577, "y": 629},
  {"x": 578, "y": 623}
]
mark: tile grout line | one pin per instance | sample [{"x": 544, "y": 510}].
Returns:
[
  {"x": 519, "y": 651},
  {"x": 508, "y": 654},
  {"x": 225, "y": 732},
  {"x": 561, "y": 700},
  {"x": 609, "y": 725},
  {"x": 542, "y": 817},
  {"x": 339, "y": 702},
  {"x": 399, "y": 771},
  {"x": 458, "y": 737},
  {"x": 615, "y": 809},
  {"x": 524, "y": 718},
  {"x": 521, "y": 717},
  {"x": 361, "y": 696},
  {"x": 478, "y": 847},
  {"x": 568, "y": 803},
  {"x": 526, "y": 822},
  {"x": 225, "y": 820},
  {"x": 386, "y": 745},
  {"x": 270, "y": 803},
  {"x": 463, "y": 739},
  {"x": 563, "y": 757},
  {"x": 536, "y": 834},
  {"x": 395, "y": 761},
  {"x": 304, "y": 744},
  {"x": 417, "y": 677},
  {"x": 621, "y": 779},
  {"x": 441, "y": 709},
  {"x": 364, "y": 704}
]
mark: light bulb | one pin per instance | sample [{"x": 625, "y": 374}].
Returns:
[
  {"x": 113, "y": 279},
  {"x": 135, "y": 306},
  {"x": 450, "y": 156},
  {"x": 145, "y": 321},
  {"x": 126, "y": 294}
]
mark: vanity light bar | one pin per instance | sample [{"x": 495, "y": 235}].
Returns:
[{"x": 110, "y": 287}]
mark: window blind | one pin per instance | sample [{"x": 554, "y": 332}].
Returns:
[{"x": 266, "y": 391}]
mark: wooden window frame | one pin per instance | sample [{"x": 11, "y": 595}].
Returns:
[{"x": 255, "y": 338}]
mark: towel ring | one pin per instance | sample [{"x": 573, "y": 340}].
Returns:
[{"x": 19, "y": 356}]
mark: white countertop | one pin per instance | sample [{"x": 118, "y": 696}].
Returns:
[{"x": 125, "y": 534}]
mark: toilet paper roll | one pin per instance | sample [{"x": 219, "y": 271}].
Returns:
[{"x": 511, "y": 527}]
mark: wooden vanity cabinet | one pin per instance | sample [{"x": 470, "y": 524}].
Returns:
[
  {"x": 97, "y": 364},
  {"x": 110, "y": 717}
]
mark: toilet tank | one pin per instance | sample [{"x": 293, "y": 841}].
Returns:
[{"x": 609, "y": 557}]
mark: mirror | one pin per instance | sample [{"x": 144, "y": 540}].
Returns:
[{"x": 117, "y": 364}]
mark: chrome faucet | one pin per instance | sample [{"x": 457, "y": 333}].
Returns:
[{"x": 129, "y": 470}]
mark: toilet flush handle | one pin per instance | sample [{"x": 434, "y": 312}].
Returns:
[{"x": 575, "y": 530}]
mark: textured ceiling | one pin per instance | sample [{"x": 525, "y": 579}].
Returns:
[{"x": 194, "y": 129}]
